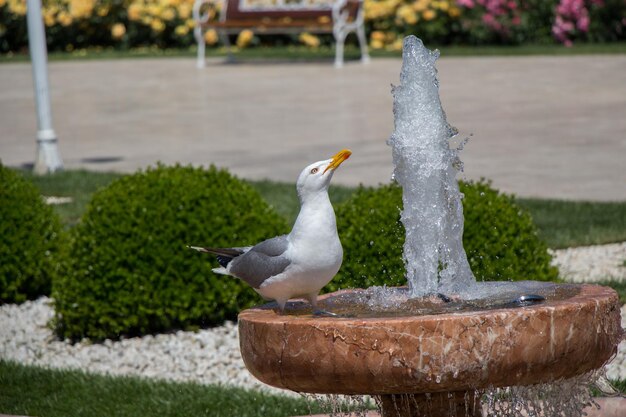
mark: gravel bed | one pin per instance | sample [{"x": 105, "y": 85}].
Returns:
[
  {"x": 592, "y": 263},
  {"x": 211, "y": 356}
]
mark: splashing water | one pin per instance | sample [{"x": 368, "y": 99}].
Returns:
[
  {"x": 426, "y": 168},
  {"x": 563, "y": 398}
]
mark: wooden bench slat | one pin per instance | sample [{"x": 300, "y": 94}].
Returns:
[
  {"x": 270, "y": 23},
  {"x": 276, "y": 20}
]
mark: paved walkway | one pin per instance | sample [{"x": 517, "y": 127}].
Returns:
[{"x": 542, "y": 126}]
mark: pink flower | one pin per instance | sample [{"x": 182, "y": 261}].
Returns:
[
  {"x": 488, "y": 19},
  {"x": 583, "y": 23},
  {"x": 572, "y": 16}
]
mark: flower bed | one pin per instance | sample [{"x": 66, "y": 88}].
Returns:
[{"x": 124, "y": 24}]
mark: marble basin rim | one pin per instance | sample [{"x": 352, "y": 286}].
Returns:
[{"x": 433, "y": 353}]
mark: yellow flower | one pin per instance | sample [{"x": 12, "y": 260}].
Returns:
[
  {"x": 244, "y": 38},
  {"x": 48, "y": 18},
  {"x": 154, "y": 10},
  {"x": 184, "y": 11},
  {"x": 118, "y": 30},
  {"x": 407, "y": 14},
  {"x": 429, "y": 14},
  {"x": 454, "y": 11},
  {"x": 157, "y": 25},
  {"x": 443, "y": 5},
  {"x": 309, "y": 40},
  {"x": 103, "y": 11},
  {"x": 134, "y": 11},
  {"x": 64, "y": 18},
  {"x": 395, "y": 45},
  {"x": 323, "y": 20},
  {"x": 168, "y": 14},
  {"x": 421, "y": 5},
  {"x": 81, "y": 8},
  {"x": 377, "y": 35},
  {"x": 18, "y": 7},
  {"x": 190, "y": 23},
  {"x": 210, "y": 37},
  {"x": 181, "y": 30},
  {"x": 376, "y": 44}
]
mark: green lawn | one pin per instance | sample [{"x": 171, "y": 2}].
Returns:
[
  {"x": 34, "y": 391},
  {"x": 560, "y": 223},
  {"x": 78, "y": 184},
  {"x": 569, "y": 223},
  {"x": 298, "y": 52}
]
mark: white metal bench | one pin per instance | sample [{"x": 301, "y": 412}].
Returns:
[{"x": 339, "y": 17}]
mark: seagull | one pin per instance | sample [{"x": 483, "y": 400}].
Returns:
[{"x": 300, "y": 263}]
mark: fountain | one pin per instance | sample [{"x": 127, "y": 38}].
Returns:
[{"x": 418, "y": 355}]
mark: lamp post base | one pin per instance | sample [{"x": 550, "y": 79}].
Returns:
[{"x": 48, "y": 156}]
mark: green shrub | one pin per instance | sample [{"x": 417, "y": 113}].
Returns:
[
  {"x": 499, "y": 238},
  {"x": 130, "y": 271},
  {"x": 30, "y": 240}
]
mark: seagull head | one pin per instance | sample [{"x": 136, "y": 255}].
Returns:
[{"x": 316, "y": 177}]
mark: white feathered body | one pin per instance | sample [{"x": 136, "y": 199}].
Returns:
[{"x": 315, "y": 252}]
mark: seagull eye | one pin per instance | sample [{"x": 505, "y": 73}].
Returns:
[{"x": 314, "y": 171}]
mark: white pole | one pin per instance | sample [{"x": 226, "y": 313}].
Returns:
[{"x": 48, "y": 157}]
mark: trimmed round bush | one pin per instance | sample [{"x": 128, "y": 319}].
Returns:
[
  {"x": 130, "y": 271},
  {"x": 30, "y": 240},
  {"x": 499, "y": 238}
]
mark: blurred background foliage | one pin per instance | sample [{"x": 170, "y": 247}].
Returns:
[{"x": 125, "y": 24}]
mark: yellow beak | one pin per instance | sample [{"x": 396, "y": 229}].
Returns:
[{"x": 338, "y": 159}]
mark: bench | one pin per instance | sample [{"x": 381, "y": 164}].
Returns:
[{"x": 339, "y": 17}]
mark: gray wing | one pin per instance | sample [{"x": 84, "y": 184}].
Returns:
[
  {"x": 261, "y": 262},
  {"x": 275, "y": 246}
]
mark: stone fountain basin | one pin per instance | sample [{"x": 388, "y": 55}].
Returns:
[{"x": 433, "y": 353}]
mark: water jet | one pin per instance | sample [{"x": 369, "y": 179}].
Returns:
[{"x": 417, "y": 354}]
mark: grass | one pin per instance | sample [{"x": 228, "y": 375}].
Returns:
[
  {"x": 34, "y": 391},
  {"x": 560, "y": 223},
  {"x": 565, "y": 224},
  {"x": 299, "y": 53},
  {"x": 78, "y": 184}
]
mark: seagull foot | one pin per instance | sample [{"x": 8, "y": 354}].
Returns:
[
  {"x": 324, "y": 313},
  {"x": 444, "y": 297}
]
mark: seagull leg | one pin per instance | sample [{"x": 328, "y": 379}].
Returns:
[
  {"x": 313, "y": 300},
  {"x": 317, "y": 311},
  {"x": 281, "y": 306}
]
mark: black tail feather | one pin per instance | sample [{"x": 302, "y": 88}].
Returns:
[
  {"x": 223, "y": 260},
  {"x": 224, "y": 255}
]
